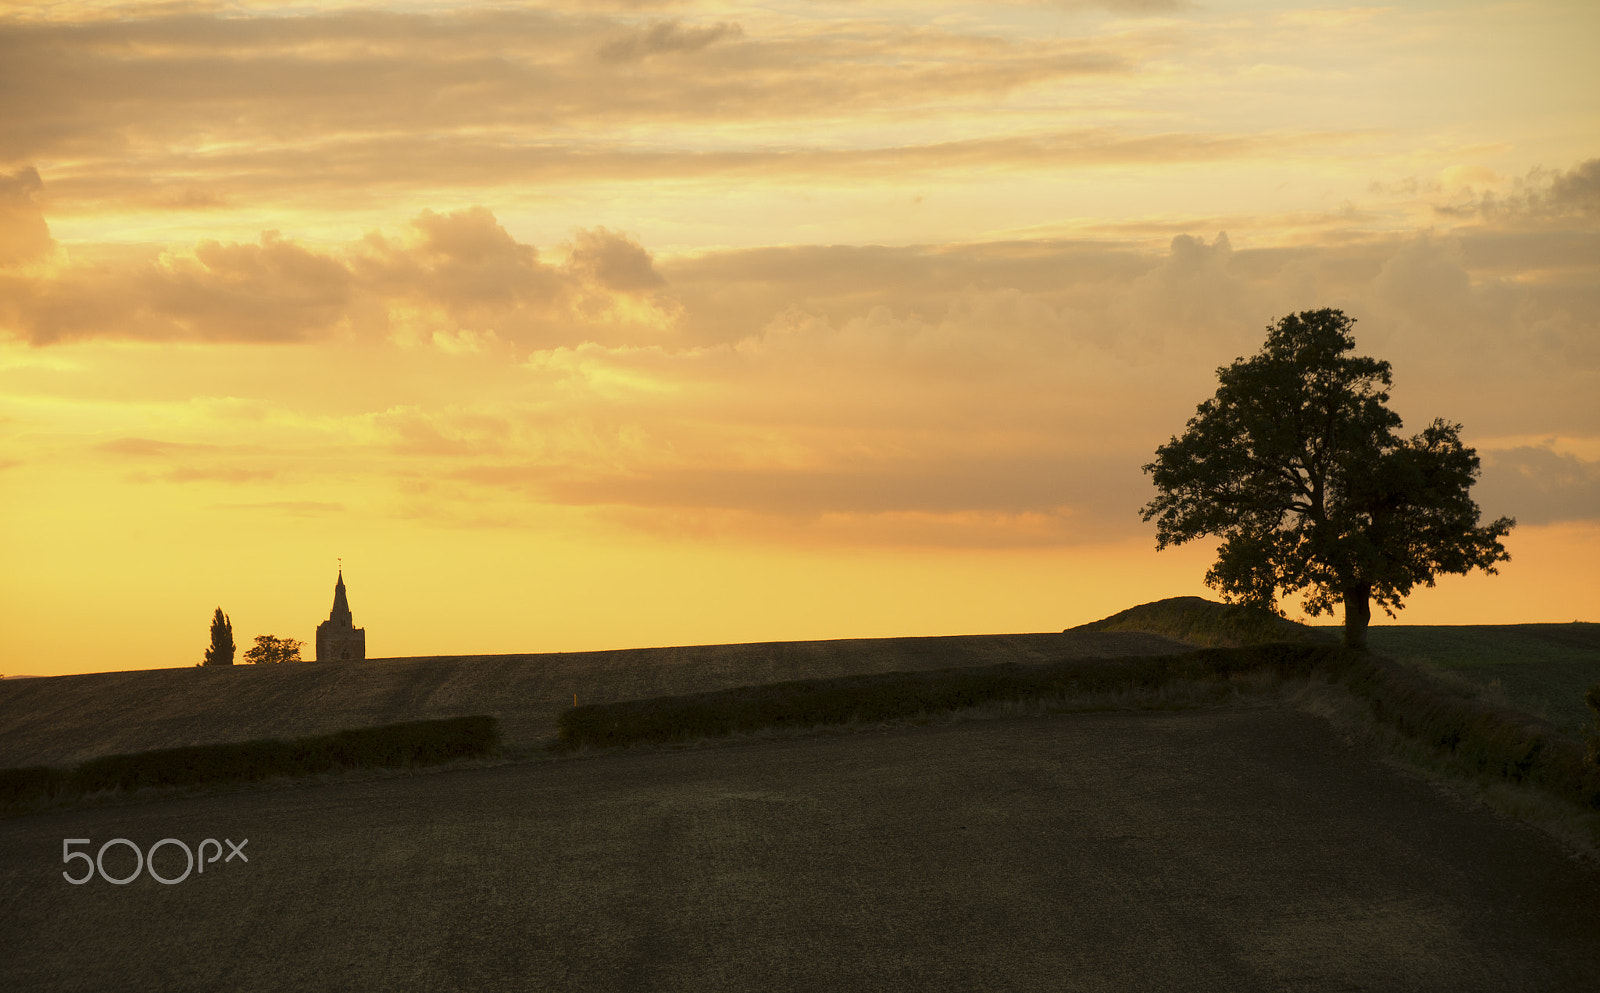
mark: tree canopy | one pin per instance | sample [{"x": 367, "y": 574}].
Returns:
[
  {"x": 221, "y": 650},
  {"x": 272, "y": 650},
  {"x": 1295, "y": 463}
]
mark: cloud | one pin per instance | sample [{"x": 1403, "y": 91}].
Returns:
[
  {"x": 614, "y": 261},
  {"x": 463, "y": 263},
  {"x": 664, "y": 38},
  {"x": 470, "y": 237},
  {"x": 274, "y": 290},
  {"x": 1196, "y": 288},
  {"x": 455, "y": 278},
  {"x": 1578, "y": 189},
  {"x": 357, "y": 167},
  {"x": 149, "y": 447},
  {"x": 294, "y": 508},
  {"x": 24, "y": 235},
  {"x": 1539, "y": 486},
  {"x": 218, "y": 474},
  {"x": 1054, "y": 498},
  {"x": 988, "y": 394},
  {"x": 128, "y": 88},
  {"x": 1539, "y": 196},
  {"x": 1022, "y": 384},
  {"x": 411, "y": 430},
  {"x": 1125, "y": 7}
]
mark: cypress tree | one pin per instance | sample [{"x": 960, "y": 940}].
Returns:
[{"x": 221, "y": 650}]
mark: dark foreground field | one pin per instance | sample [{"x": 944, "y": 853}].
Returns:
[{"x": 1231, "y": 850}]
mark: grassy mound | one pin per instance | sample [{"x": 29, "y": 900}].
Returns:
[
  {"x": 1199, "y": 621},
  {"x": 389, "y": 746}
]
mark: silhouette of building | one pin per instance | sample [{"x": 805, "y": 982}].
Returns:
[{"x": 338, "y": 639}]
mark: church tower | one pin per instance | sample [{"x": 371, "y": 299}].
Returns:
[{"x": 338, "y": 639}]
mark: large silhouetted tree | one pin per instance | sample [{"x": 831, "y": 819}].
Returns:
[
  {"x": 221, "y": 650},
  {"x": 1295, "y": 464}
]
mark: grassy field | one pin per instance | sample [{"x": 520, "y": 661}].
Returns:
[
  {"x": 64, "y": 720},
  {"x": 1541, "y": 668}
]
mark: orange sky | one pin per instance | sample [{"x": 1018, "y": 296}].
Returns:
[{"x": 576, "y": 326}]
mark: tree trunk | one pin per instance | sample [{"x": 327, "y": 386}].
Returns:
[{"x": 1357, "y": 615}]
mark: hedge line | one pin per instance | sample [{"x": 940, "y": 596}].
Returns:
[
  {"x": 887, "y": 696},
  {"x": 388, "y": 746},
  {"x": 1487, "y": 740}
]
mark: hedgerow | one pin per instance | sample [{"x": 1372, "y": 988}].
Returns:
[
  {"x": 387, "y": 746},
  {"x": 896, "y": 695}
]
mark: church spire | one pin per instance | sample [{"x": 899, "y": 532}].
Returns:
[
  {"x": 341, "y": 606},
  {"x": 338, "y": 639}
]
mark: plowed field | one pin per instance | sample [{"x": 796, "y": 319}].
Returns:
[{"x": 1228, "y": 850}]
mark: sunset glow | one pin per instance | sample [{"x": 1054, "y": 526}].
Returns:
[{"x": 583, "y": 326}]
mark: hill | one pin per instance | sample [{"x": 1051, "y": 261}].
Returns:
[
  {"x": 64, "y": 720},
  {"x": 1197, "y": 621}
]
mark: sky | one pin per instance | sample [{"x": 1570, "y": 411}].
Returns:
[{"x": 584, "y": 326}]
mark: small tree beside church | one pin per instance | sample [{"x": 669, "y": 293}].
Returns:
[
  {"x": 271, "y": 650},
  {"x": 221, "y": 650}
]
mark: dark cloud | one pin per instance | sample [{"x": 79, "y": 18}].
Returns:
[
  {"x": 615, "y": 261},
  {"x": 1540, "y": 196},
  {"x": 1133, "y": 7},
  {"x": 1578, "y": 189},
  {"x": 1539, "y": 486},
  {"x": 665, "y": 37}
]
